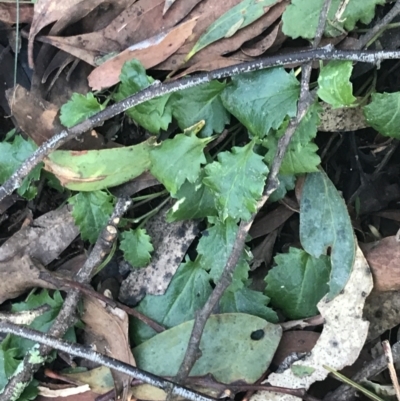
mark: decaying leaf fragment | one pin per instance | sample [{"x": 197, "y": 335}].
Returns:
[{"x": 341, "y": 340}]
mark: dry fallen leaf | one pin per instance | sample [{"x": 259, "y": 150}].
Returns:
[
  {"x": 107, "y": 329},
  {"x": 170, "y": 241},
  {"x": 8, "y": 13},
  {"x": 150, "y": 53},
  {"x": 341, "y": 340}
]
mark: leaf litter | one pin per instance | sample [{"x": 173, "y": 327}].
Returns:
[{"x": 195, "y": 183}]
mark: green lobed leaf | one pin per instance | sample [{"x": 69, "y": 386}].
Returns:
[
  {"x": 202, "y": 102},
  {"x": 188, "y": 291},
  {"x": 136, "y": 246},
  {"x": 301, "y": 155},
  {"x": 245, "y": 300},
  {"x": 286, "y": 183},
  {"x": 12, "y": 154},
  {"x": 178, "y": 159},
  {"x": 297, "y": 283},
  {"x": 8, "y": 361},
  {"x": 334, "y": 86},
  {"x": 238, "y": 17},
  {"x": 325, "y": 223},
  {"x": 234, "y": 346},
  {"x": 91, "y": 211},
  {"x": 79, "y": 108},
  {"x": 42, "y": 322},
  {"x": 194, "y": 201},
  {"x": 261, "y": 100},
  {"x": 153, "y": 115},
  {"x": 214, "y": 249},
  {"x": 383, "y": 113},
  {"x": 237, "y": 181},
  {"x": 300, "y": 18}
]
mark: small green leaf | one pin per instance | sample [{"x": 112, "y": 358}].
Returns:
[
  {"x": 136, "y": 245},
  {"x": 8, "y": 361},
  {"x": 301, "y": 155},
  {"x": 214, "y": 249},
  {"x": 194, "y": 201},
  {"x": 79, "y": 108},
  {"x": 383, "y": 113},
  {"x": 238, "y": 17},
  {"x": 260, "y": 110},
  {"x": 297, "y": 283},
  {"x": 334, "y": 83},
  {"x": 178, "y": 159},
  {"x": 237, "y": 180},
  {"x": 202, "y": 102},
  {"x": 325, "y": 223},
  {"x": 153, "y": 115},
  {"x": 188, "y": 291},
  {"x": 302, "y": 371},
  {"x": 245, "y": 300},
  {"x": 91, "y": 212},
  {"x": 286, "y": 183},
  {"x": 42, "y": 322},
  {"x": 12, "y": 155},
  {"x": 234, "y": 347},
  {"x": 300, "y": 18}
]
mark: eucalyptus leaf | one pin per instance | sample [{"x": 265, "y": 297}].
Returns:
[
  {"x": 234, "y": 347},
  {"x": 325, "y": 223}
]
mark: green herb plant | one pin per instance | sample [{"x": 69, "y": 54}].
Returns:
[{"x": 220, "y": 186}]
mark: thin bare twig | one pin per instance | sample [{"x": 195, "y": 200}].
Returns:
[
  {"x": 64, "y": 283},
  {"x": 81, "y": 351},
  {"x": 66, "y": 317},
  {"x": 365, "y": 39},
  {"x": 155, "y": 90},
  {"x": 392, "y": 370}
]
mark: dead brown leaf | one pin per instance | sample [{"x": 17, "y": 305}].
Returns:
[
  {"x": 208, "y": 12},
  {"x": 384, "y": 259},
  {"x": 108, "y": 332},
  {"x": 149, "y": 53},
  {"x": 138, "y": 22},
  {"x": 48, "y": 236}
]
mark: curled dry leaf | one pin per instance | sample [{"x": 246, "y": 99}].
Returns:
[
  {"x": 341, "y": 340},
  {"x": 108, "y": 330}
]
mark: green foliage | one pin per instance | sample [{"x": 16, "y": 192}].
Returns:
[
  {"x": 297, "y": 283},
  {"x": 188, "y": 291},
  {"x": 194, "y": 201},
  {"x": 301, "y": 155},
  {"x": 238, "y": 17},
  {"x": 260, "y": 110},
  {"x": 245, "y": 300},
  {"x": 334, "y": 83},
  {"x": 91, "y": 211},
  {"x": 324, "y": 223},
  {"x": 234, "y": 346},
  {"x": 12, "y": 154},
  {"x": 286, "y": 183},
  {"x": 136, "y": 245},
  {"x": 178, "y": 159},
  {"x": 383, "y": 113},
  {"x": 153, "y": 115},
  {"x": 79, "y": 108},
  {"x": 202, "y": 102},
  {"x": 300, "y": 18},
  {"x": 237, "y": 180}
]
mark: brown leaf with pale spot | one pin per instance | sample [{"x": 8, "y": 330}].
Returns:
[{"x": 149, "y": 53}]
